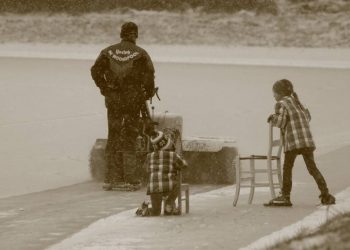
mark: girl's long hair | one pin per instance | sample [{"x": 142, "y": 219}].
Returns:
[{"x": 284, "y": 87}]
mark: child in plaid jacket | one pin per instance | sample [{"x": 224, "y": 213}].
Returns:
[
  {"x": 293, "y": 120},
  {"x": 162, "y": 166}
]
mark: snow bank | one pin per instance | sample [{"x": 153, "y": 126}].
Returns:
[{"x": 309, "y": 223}]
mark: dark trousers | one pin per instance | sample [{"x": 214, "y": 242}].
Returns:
[
  {"x": 156, "y": 200},
  {"x": 308, "y": 156},
  {"x": 120, "y": 156}
]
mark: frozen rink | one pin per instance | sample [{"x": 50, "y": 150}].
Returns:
[{"x": 51, "y": 112}]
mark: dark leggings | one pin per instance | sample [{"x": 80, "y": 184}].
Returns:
[
  {"x": 308, "y": 156},
  {"x": 156, "y": 200}
]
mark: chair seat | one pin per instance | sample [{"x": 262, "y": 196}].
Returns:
[
  {"x": 248, "y": 178},
  {"x": 259, "y": 157},
  {"x": 266, "y": 184}
]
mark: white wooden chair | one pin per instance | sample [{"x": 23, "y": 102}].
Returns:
[
  {"x": 244, "y": 175},
  {"x": 183, "y": 188}
]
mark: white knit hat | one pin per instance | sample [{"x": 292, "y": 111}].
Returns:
[{"x": 160, "y": 142}]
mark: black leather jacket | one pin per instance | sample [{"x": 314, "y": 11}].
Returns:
[{"x": 122, "y": 69}]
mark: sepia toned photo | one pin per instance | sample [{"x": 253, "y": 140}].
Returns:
[{"x": 174, "y": 124}]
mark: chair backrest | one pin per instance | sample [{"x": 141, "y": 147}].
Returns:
[{"x": 274, "y": 143}]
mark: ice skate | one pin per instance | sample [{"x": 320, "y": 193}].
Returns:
[
  {"x": 327, "y": 199},
  {"x": 280, "y": 201}
]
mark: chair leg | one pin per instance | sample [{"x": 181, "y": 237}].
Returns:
[
  {"x": 238, "y": 181},
  {"x": 236, "y": 194},
  {"x": 251, "y": 194},
  {"x": 187, "y": 201},
  {"x": 179, "y": 201},
  {"x": 252, "y": 181},
  {"x": 270, "y": 178},
  {"x": 279, "y": 173}
]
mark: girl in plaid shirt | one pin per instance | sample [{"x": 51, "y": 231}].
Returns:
[
  {"x": 293, "y": 120},
  {"x": 162, "y": 166}
]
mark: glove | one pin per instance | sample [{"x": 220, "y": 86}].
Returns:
[
  {"x": 308, "y": 115},
  {"x": 103, "y": 91},
  {"x": 144, "y": 210},
  {"x": 269, "y": 119}
]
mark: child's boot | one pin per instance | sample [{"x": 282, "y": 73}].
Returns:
[
  {"x": 327, "y": 199},
  {"x": 144, "y": 210},
  {"x": 107, "y": 184}
]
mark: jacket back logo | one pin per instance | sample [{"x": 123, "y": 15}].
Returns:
[{"x": 122, "y": 55}]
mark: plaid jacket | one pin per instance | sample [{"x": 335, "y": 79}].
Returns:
[
  {"x": 162, "y": 167},
  {"x": 294, "y": 123}
]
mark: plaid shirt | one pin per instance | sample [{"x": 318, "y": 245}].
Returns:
[
  {"x": 294, "y": 123},
  {"x": 162, "y": 167}
]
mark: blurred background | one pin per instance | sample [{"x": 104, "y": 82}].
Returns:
[{"x": 285, "y": 23}]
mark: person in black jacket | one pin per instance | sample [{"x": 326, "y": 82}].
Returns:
[{"x": 124, "y": 73}]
